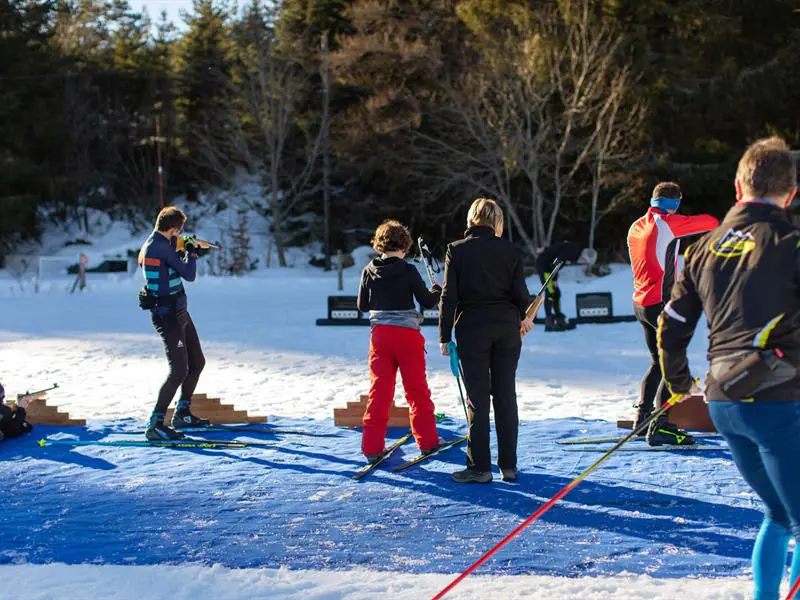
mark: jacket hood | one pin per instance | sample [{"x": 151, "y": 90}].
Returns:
[{"x": 387, "y": 268}]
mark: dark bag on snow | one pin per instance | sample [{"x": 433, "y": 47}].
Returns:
[{"x": 12, "y": 422}]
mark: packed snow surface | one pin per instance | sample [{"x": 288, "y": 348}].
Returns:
[{"x": 287, "y": 521}]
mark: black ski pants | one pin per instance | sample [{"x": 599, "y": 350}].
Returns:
[
  {"x": 552, "y": 295},
  {"x": 654, "y": 391},
  {"x": 489, "y": 355},
  {"x": 185, "y": 356}
]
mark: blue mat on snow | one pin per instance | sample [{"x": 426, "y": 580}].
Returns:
[{"x": 295, "y": 505}]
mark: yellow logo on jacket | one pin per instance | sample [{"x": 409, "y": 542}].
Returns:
[{"x": 732, "y": 244}]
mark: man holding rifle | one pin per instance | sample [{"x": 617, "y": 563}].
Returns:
[
  {"x": 546, "y": 260},
  {"x": 165, "y": 265}
]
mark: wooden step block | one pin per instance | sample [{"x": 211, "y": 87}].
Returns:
[
  {"x": 352, "y": 414},
  {"x": 39, "y": 413},
  {"x": 691, "y": 414},
  {"x": 216, "y": 412}
]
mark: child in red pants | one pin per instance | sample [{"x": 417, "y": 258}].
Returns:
[{"x": 388, "y": 287}]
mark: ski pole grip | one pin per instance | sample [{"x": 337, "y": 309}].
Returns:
[{"x": 453, "y": 351}]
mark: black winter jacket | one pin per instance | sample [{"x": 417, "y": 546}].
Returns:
[
  {"x": 568, "y": 252},
  {"x": 392, "y": 284},
  {"x": 745, "y": 276},
  {"x": 484, "y": 282}
]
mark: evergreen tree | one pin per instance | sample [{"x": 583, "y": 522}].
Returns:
[
  {"x": 203, "y": 78},
  {"x": 31, "y": 116}
]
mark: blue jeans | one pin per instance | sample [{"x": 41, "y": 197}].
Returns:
[{"x": 764, "y": 438}]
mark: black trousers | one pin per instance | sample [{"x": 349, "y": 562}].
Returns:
[
  {"x": 552, "y": 295},
  {"x": 654, "y": 391},
  {"x": 185, "y": 356},
  {"x": 489, "y": 355}
]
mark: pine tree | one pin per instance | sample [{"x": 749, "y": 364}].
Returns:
[{"x": 238, "y": 261}]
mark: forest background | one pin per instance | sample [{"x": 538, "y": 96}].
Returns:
[{"x": 346, "y": 112}]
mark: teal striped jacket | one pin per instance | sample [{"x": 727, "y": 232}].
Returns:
[{"x": 164, "y": 270}]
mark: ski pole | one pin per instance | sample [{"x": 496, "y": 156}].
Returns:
[
  {"x": 564, "y": 491},
  {"x": 534, "y": 306},
  {"x": 455, "y": 367},
  {"x": 427, "y": 257},
  {"x": 795, "y": 588}
]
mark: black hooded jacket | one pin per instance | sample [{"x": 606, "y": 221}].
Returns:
[{"x": 392, "y": 284}]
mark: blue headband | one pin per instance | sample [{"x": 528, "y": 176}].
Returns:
[{"x": 665, "y": 203}]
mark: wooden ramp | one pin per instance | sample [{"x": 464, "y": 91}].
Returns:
[
  {"x": 38, "y": 412},
  {"x": 353, "y": 414},
  {"x": 216, "y": 412},
  {"x": 691, "y": 414}
]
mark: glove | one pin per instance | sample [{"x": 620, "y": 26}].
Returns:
[
  {"x": 202, "y": 250},
  {"x": 693, "y": 391},
  {"x": 436, "y": 288},
  {"x": 190, "y": 244}
]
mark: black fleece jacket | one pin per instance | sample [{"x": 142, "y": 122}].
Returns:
[
  {"x": 392, "y": 284},
  {"x": 745, "y": 276},
  {"x": 483, "y": 283}
]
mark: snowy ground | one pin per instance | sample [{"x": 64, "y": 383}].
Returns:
[{"x": 265, "y": 354}]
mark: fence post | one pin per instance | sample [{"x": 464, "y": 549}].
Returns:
[
  {"x": 80, "y": 280},
  {"x": 340, "y": 269}
]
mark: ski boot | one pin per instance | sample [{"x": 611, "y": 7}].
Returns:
[
  {"x": 662, "y": 432},
  {"x": 159, "y": 431},
  {"x": 183, "y": 419},
  {"x": 551, "y": 324},
  {"x": 373, "y": 458},
  {"x": 441, "y": 442},
  {"x": 564, "y": 322}
]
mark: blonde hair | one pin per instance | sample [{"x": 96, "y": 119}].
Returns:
[{"x": 485, "y": 212}]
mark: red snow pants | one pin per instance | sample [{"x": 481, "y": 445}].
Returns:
[{"x": 392, "y": 347}]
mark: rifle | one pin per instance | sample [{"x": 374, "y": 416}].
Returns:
[
  {"x": 24, "y": 399},
  {"x": 198, "y": 243},
  {"x": 431, "y": 264},
  {"x": 539, "y": 299}
]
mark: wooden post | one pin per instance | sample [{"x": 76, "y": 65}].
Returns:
[
  {"x": 340, "y": 269},
  {"x": 326, "y": 151}
]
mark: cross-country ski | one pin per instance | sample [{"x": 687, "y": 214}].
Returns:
[{"x": 374, "y": 464}]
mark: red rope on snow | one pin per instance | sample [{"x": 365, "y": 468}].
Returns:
[{"x": 796, "y": 586}]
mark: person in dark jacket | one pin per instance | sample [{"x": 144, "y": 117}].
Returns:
[
  {"x": 745, "y": 276},
  {"x": 485, "y": 298},
  {"x": 164, "y": 269},
  {"x": 566, "y": 252},
  {"x": 388, "y": 288},
  {"x": 12, "y": 418}
]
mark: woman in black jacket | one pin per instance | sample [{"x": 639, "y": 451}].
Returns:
[{"x": 485, "y": 297}]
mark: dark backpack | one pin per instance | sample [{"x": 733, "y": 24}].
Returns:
[{"x": 12, "y": 422}]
